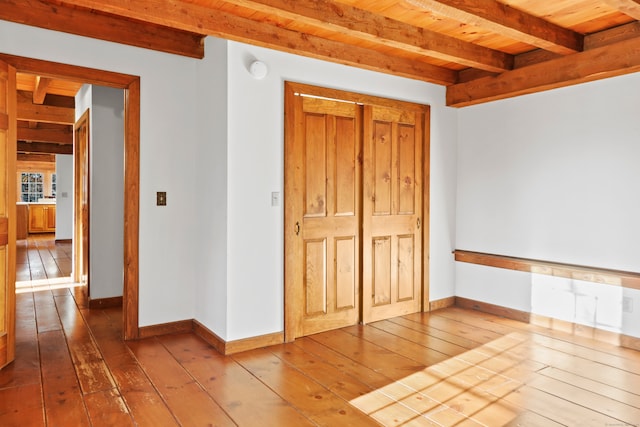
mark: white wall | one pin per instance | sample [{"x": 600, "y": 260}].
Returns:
[
  {"x": 215, "y": 252},
  {"x": 106, "y": 223},
  {"x": 552, "y": 176},
  {"x": 169, "y": 139},
  {"x": 211, "y": 173},
  {"x": 254, "y": 165},
  {"x": 64, "y": 196},
  {"x": 106, "y": 187}
]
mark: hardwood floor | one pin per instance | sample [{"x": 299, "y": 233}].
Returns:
[
  {"x": 42, "y": 263},
  {"x": 450, "y": 367}
]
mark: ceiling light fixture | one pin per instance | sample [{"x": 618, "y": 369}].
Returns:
[{"x": 258, "y": 70}]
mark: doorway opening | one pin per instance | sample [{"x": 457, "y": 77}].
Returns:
[{"x": 131, "y": 87}]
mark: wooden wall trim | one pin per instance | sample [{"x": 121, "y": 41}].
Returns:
[
  {"x": 442, "y": 303},
  {"x": 625, "y": 279},
  {"x": 254, "y": 342},
  {"x": 497, "y": 310},
  {"x": 209, "y": 336},
  {"x": 131, "y": 209},
  {"x": 105, "y": 302},
  {"x": 231, "y": 347},
  {"x": 179, "y": 327}
]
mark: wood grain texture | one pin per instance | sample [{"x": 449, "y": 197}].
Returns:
[
  {"x": 193, "y": 17},
  {"x": 87, "y": 23},
  {"x": 595, "y": 64},
  {"x": 625, "y": 279},
  {"x": 452, "y": 366}
]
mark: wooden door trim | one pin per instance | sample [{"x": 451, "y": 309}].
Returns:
[
  {"x": 79, "y": 157},
  {"x": 426, "y": 213},
  {"x": 7, "y": 218},
  {"x": 131, "y": 86}
]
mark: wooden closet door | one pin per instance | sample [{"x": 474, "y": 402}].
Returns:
[
  {"x": 322, "y": 239},
  {"x": 392, "y": 212}
]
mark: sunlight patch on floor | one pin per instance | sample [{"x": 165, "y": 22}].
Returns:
[
  {"x": 45, "y": 285},
  {"x": 463, "y": 390}
]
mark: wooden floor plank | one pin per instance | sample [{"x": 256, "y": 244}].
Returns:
[
  {"x": 190, "y": 404},
  {"x": 558, "y": 410},
  {"x": 25, "y": 370},
  {"x": 313, "y": 400},
  {"x": 91, "y": 370},
  {"x": 423, "y": 328},
  {"x": 365, "y": 374},
  {"x": 22, "y": 406},
  {"x": 145, "y": 404},
  {"x": 421, "y": 338},
  {"x": 247, "y": 400},
  {"x": 604, "y": 389},
  {"x": 450, "y": 367},
  {"x": 108, "y": 409},
  {"x": 46, "y": 313},
  {"x": 622, "y": 412},
  {"x": 372, "y": 356},
  {"x": 331, "y": 377},
  {"x": 397, "y": 345},
  {"x": 63, "y": 401}
]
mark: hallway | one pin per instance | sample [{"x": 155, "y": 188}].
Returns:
[{"x": 42, "y": 263}]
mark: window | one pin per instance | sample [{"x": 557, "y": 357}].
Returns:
[{"x": 31, "y": 187}]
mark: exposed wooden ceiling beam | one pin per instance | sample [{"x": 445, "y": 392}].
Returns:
[
  {"x": 59, "y": 135},
  {"x": 507, "y": 21},
  {"x": 44, "y": 148},
  {"x": 29, "y": 111},
  {"x": 628, "y": 7},
  {"x": 191, "y": 17},
  {"x": 47, "y": 158},
  {"x": 53, "y": 100},
  {"x": 40, "y": 91},
  {"x": 84, "y": 22},
  {"x": 372, "y": 27},
  {"x": 598, "y": 63}
]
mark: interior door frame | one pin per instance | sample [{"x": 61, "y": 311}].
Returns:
[
  {"x": 81, "y": 199},
  {"x": 291, "y": 292},
  {"x": 131, "y": 86}
]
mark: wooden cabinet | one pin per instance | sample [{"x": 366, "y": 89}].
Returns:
[
  {"x": 22, "y": 221},
  {"x": 42, "y": 218}
]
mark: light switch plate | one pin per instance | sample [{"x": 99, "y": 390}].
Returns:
[
  {"x": 275, "y": 198},
  {"x": 161, "y": 198}
]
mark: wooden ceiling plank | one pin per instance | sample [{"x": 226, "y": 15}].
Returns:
[
  {"x": 192, "y": 17},
  {"x": 29, "y": 111},
  {"x": 369, "y": 26},
  {"x": 628, "y": 7},
  {"x": 44, "y": 148},
  {"x": 595, "y": 64},
  {"x": 58, "y": 135},
  {"x": 507, "y": 21},
  {"x": 40, "y": 90},
  {"x": 83, "y": 22}
]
